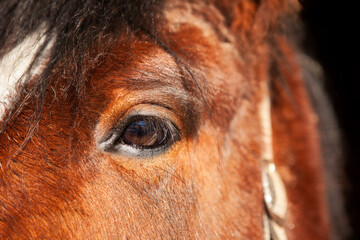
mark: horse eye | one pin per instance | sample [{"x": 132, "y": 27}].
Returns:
[
  {"x": 146, "y": 133},
  {"x": 141, "y": 136}
]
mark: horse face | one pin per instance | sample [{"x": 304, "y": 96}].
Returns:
[{"x": 165, "y": 139}]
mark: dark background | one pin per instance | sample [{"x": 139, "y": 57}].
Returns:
[{"x": 332, "y": 37}]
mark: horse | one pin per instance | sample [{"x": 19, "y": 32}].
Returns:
[{"x": 163, "y": 119}]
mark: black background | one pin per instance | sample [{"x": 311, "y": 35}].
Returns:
[{"x": 332, "y": 37}]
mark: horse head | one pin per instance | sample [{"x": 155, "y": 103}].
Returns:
[{"x": 157, "y": 120}]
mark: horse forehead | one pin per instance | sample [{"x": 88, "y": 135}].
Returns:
[
  {"x": 201, "y": 31},
  {"x": 14, "y": 66},
  {"x": 210, "y": 49}
]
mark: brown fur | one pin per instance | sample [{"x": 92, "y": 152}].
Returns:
[{"x": 208, "y": 184}]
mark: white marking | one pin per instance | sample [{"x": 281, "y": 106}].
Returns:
[{"x": 14, "y": 65}]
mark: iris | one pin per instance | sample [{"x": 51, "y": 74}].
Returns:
[{"x": 145, "y": 133}]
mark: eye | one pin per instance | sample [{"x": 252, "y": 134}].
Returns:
[
  {"x": 141, "y": 136},
  {"x": 145, "y": 133}
]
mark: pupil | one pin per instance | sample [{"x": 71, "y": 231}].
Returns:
[{"x": 145, "y": 133}]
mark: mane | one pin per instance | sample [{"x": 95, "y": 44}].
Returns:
[
  {"x": 331, "y": 146},
  {"x": 72, "y": 28}
]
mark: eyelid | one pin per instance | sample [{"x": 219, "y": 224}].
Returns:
[
  {"x": 141, "y": 111},
  {"x": 113, "y": 116}
]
